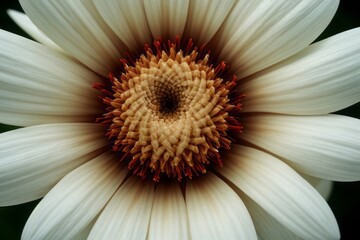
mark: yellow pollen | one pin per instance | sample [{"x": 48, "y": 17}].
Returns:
[{"x": 169, "y": 114}]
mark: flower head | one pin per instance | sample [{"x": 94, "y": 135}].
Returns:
[{"x": 166, "y": 119}]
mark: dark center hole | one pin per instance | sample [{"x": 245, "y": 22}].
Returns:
[{"x": 169, "y": 101}]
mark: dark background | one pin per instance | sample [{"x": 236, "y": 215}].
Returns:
[{"x": 345, "y": 198}]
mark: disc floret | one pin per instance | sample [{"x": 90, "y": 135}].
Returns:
[{"x": 169, "y": 112}]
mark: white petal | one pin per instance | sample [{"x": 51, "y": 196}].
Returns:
[
  {"x": 325, "y": 146},
  {"x": 323, "y": 78},
  {"x": 76, "y": 200},
  {"x": 324, "y": 187},
  {"x": 267, "y": 227},
  {"x": 34, "y": 159},
  {"x": 168, "y": 215},
  {"x": 128, "y": 20},
  {"x": 25, "y": 23},
  {"x": 281, "y": 192},
  {"x": 205, "y": 18},
  {"x": 77, "y": 27},
  {"x": 166, "y": 19},
  {"x": 258, "y": 34},
  {"x": 127, "y": 215},
  {"x": 40, "y": 85},
  {"x": 85, "y": 232},
  {"x": 215, "y": 211}
]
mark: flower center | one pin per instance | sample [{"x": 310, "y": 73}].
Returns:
[
  {"x": 169, "y": 101},
  {"x": 169, "y": 113}
]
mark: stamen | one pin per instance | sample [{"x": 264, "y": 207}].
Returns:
[{"x": 169, "y": 113}]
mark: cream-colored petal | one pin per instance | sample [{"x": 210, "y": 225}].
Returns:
[
  {"x": 127, "y": 215},
  {"x": 205, "y": 18},
  {"x": 281, "y": 192},
  {"x": 323, "y": 78},
  {"x": 166, "y": 18},
  {"x": 323, "y": 186},
  {"x": 168, "y": 215},
  {"x": 85, "y": 232},
  {"x": 325, "y": 146},
  {"x": 41, "y": 85},
  {"x": 215, "y": 212},
  {"x": 68, "y": 209},
  {"x": 25, "y": 24},
  {"x": 34, "y": 159},
  {"x": 258, "y": 34},
  {"x": 78, "y": 28},
  {"x": 267, "y": 227},
  {"x": 128, "y": 20}
]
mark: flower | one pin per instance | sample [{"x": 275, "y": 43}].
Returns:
[{"x": 222, "y": 135}]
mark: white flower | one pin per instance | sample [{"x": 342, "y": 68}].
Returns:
[{"x": 288, "y": 134}]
